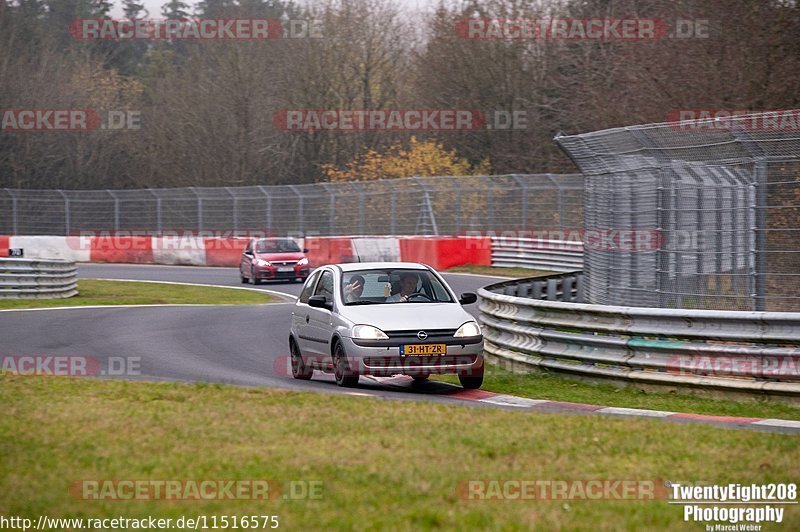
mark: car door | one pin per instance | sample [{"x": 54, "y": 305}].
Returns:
[
  {"x": 301, "y": 315},
  {"x": 319, "y": 325}
]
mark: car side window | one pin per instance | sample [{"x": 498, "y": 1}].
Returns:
[
  {"x": 308, "y": 289},
  {"x": 325, "y": 286}
]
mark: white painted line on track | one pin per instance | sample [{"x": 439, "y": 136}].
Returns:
[
  {"x": 787, "y": 423},
  {"x": 633, "y": 412},
  {"x": 511, "y": 400}
]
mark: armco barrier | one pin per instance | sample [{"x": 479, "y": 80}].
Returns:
[
  {"x": 37, "y": 279},
  {"x": 731, "y": 351},
  {"x": 439, "y": 252},
  {"x": 126, "y": 249},
  {"x": 552, "y": 255},
  {"x": 445, "y": 252}
]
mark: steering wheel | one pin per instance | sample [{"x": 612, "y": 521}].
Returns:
[{"x": 419, "y": 294}]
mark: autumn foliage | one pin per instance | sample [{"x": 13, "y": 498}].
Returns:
[{"x": 418, "y": 158}]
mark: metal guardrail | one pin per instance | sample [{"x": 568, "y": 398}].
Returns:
[
  {"x": 552, "y": 255},
  {"x": 37, "y": 279},
  {"x": 535, "y": 322}
]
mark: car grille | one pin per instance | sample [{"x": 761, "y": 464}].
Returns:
[
  {"x": 411, "y": 335},
  {"x": 284, "y": 263}
]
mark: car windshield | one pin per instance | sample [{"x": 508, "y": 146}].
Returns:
[
  {"x": 283, "y": 245},
  {"x": 390, "y": 286}
]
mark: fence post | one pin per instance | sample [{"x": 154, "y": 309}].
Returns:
[
  {"x": 361, "y": 220},
  {"x": 66, "y": 212},
  {"x": 158, "y": 209},
  {"x": 524, "y": 213},
  {"x": 300, "y": 213},
  {"x": 267, "y": 207},
  {"x": 759, "y": 159},
  {"x": 235, "y": 212},
  {"x": 116, "y": 209},
  {"x": 199, "y": 226},
  {"x": 13, "y": 197}
]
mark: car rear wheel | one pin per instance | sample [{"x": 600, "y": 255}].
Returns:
[
  {"x": 472, "y": 380},
  {"x": 299, "y": 368},
  {"x": 341, "y": 370}
]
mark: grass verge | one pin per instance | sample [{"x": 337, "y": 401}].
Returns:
[
  {"x": 382, "y": 464},
  {"x": 541, "y": 385},
  {"x": 93, "y": 292},
  {"x": 493, "y": 271}
]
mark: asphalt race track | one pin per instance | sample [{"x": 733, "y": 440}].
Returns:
[
  {"x": 242, "y": 345},
  {"x": 246, "y": 345}
]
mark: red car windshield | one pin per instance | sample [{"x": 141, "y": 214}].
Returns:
[{"x": 277, "y": 246}]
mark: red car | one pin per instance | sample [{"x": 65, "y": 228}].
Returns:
[{"x": 268, "y": 259}]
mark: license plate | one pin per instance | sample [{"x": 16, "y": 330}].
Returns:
[
  {"x": 285, "y": 269},
  {"x": 423, "y": 349}
]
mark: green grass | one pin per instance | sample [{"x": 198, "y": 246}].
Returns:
[
  {"x": 383, "y": 464},
  {"x": 540, "y": 385},
  {"x": 93, "y": 292},
  {"x": 498, "y": 272}
]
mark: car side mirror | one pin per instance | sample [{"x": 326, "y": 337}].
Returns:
[
  {"x": 305, "y": 250},
  {"x": 318, "y": 302},
  {"x": 467, "y": 298},
  {"x": 248, "y": 253}
]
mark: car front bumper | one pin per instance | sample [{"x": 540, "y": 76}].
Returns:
[
  {"x": 266, "y": 272},
  {"x": 384, "y": 361}
]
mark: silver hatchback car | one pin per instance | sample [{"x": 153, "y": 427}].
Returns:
[{"x": 383, "y": 319}]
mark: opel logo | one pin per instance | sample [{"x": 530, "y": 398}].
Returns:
[{"x": 422, "y": 335}]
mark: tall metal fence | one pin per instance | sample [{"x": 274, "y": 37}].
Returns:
[
  {"x": 717, "y": 203},
  {"x": 419, "y": 205}
]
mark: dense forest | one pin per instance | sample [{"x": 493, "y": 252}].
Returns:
[{"x": 209, "y": 110}]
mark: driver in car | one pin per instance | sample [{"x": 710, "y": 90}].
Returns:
[{"x": 408, "y": 285}]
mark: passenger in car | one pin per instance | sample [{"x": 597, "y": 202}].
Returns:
[{"x": 354, "y": 289}]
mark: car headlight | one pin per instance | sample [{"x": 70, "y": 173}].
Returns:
[
  {"x": 262, "y": 262},
  {"x": 468, "y": 329},
  {"x": 368, "y": 332},
  {"x": 303, "y": 261}
]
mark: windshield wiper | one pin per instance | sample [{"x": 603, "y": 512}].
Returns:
[{"x": 354, "y": 303}]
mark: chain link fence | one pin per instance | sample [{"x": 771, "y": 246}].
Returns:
[
  {"x": 410, "y": 206},
  {"x": 720, "y": 197}
]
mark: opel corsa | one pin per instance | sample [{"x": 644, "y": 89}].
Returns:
[{"x": 384, "y": 319}]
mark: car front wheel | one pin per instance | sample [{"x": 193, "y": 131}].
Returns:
[
  {"x": 472, "y": 380},
  {"x": 253, "y": 276},
  {"x": 341, "y": 370}
]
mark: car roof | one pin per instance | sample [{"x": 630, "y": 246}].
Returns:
[{"x": 353, "y": 266}]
